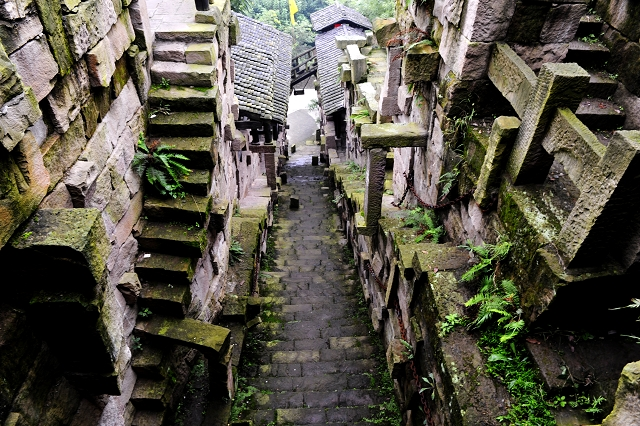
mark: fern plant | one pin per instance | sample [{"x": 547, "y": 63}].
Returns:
[
  {"x": 489, "y": 255},
  {"x": 160, "y": 167},
  {"x": 427, "y": 224},
  {"x": 500, "y": 303}
]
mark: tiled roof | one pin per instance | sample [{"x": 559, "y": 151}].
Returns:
[
  {"x": 328, "y": 74},
  {"x": 262, "y": 69},
  {"x": 326, "y": 18}
]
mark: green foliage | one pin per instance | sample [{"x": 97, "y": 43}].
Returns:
[
  {"x": 500, "y": 303},
  {"x": 388, "y": 414},
  {"x": 509, "y": 362},
  {"x": 635, "y": 303},
  {"x": 26, "y": 235},
  {"x": 243, "y": 399},
  {"x": 164, "y": 83},
  {"x": 408, "y": 347},
  {"x": 489, "y": 255},
  {"x": 355, "y": 172},
  {"x": 427, "y": 224},
  {"x": 313, "y": 105},
  {"x": 450, "y": 323},
  {"x": 447, "y": 180},
  {"x": 591, "y": 39},
  {"x": 235, "y": 252},
  {"x": 136, "y": 345},
  {"x": 160, "y": 167},
  {"x": 430, "y": 386},
  {"x": 145, "y": 313},
  {"x": 199, "y": 369},
  {"x": 242, "y": 6},
  {"x": 362, "y": 114},
  {"x": 373, "y": 9}
]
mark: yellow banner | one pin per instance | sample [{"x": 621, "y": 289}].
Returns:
[{"x": 293, "y": 8}]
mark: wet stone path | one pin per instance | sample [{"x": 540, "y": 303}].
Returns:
[{"x": 312, "y": 360}]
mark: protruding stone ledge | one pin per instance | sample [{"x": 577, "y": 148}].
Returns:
[{"x": 392, "y": 135}]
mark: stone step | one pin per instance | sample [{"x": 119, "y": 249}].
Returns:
[
  {"x": 589, "y": 24},
  {"x": 190, "y": 209},
  {"x": 151, "y": 394},
  {"x": 174, "y": 270},
  {"x": 182, "y": 124},
  {"x": 148, "y": 418},
  {"x": 321, "y": 399},
  {"x": 601, "y": 85},
  {"x": 165, "y": 299},
  {"x": 181, "y": 98},
  {"x": 189, "y": 32},
  {"x": 172, "y": 238},
  {"x": 178, "y": 73},
  {"x": 183, "y": 52},
  {"x": 150, "y": 361},
  {"x": 587, "y": 55},
  {"x": 312, "y": 383},
  {"x": 311, "y": 416},
  {"x": 211, "y": 340},
  {"x": 197, "y": 182},
  {"x": 600, "y": 114},
  {"x": 198, "y": 150}
]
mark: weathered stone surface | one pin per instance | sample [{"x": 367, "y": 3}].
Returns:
[
  {"x": 61, "y": 151},
  {"x": 89, "y": 25},
  {"x": 36, "y": 74},
  {"x": 626, "y": 411},
  {"x": 14, "y": 9},
  {"x": 10, "y": 84},
  {"x": 596, "y": 231},
  {"x": 385, "y": 30},
  {"x": 184, "y": 74},
  {"x": 357, "y": 62},
  {"x": 511, "y": 76},
  {"x": 562, "y": 23},
  {"x": 51, "y": 16},
  {"x": 19, "y": 113},
  {"x": 486, "y": 20},
  {"x": 420, "y": 63},
  {"x": 503, "y": 134},
  {"x": 557, "y": 85},
  {"x": 101, "y": 60},
  {"x": 23, "y": 184},
  {"x": 16, "y": 34},
  {"x": 392, "y": 135},
  {"x": 572, "y": 144},
  {"x": 140, "y": 21},
  {"x": 201, "y": 53},
  {"x": 623, "y": 15},
  {"x": 527, "y": 21},
  {"x": 138, "y": 64},
  {"x": 468, "y": 60},
  {"x": 374, "y": 185},
  {"x": 535, "y": 55},
  {"x": 58, "y": 198},
  {"x": 68, "y": 96},
  {"x": 368, "y": 92},
  {"x": 130, "y": 287}
]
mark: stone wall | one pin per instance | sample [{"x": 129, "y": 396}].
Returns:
[
  {"x": 527, "y": 116},
  {"x": 75, "y": 98}
]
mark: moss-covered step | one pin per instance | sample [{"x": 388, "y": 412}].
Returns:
[
  {"x": 149, "y": 418},
  {"x": 600, "y": 114},
  {"x": 180, "y": 239},
  {"x": 186, "y": 32},
  {"x": 198, "y": 150},
  {"x": 182, "y": 124},
  {"x": 588, "y": 55},
  {"x": 180, "y": 98},
  {"x": 181, "y": 74},
  {"x": 211, "y": 340},
  {"x": 165, "y": 299},
  {"x": 150, "y": 361},
  {"x": 589, "y": 24},
  {"x": 601, "y": 85},
  {"x": 190, "y": 209},
  {"x": 174, "y": 270},
  {"x": 196, "y": 182},
  {"x": 151, "y": 394}
]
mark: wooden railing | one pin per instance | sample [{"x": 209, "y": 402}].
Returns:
[{"x": 303, "y": 66}]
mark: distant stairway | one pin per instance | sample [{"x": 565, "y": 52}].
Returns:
[
  {"x": 174, "y": 235},
  {"x": 303, "y": 66}
]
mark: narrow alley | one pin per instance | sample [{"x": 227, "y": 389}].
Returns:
[{"x": 312, "y": 360}]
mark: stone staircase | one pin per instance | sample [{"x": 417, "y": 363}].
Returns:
[
  {"x": 173, "y": 236},
  {"x": 597, "y": 111}
]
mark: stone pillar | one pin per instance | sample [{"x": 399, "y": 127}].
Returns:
[
  {"x": 270, "y": 166},
  {"x": 268, "y": 135},
  {"x": 558, "y": 85},
  {"x": 503, "y": 133},
  {"x": 604, "y": 225},
  {"x": 389, "y": 95},
  {"x": 374, "y": 186},
  {"x": 255, "y": 137}
]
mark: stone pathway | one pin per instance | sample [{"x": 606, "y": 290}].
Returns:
[{"x": 315, "y": 362}]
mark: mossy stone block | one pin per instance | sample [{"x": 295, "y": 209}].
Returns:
[
  {"x": 177, "y": 270},
  {"x": 392, "y": 135},
  {"x": 420, "y": 63}
]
